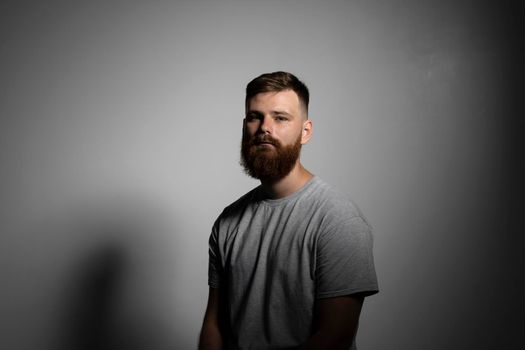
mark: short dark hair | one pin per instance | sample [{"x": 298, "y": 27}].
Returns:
[{"x": 276, "y": 82}]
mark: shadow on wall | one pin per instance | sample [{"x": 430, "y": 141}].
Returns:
[
  {"x": 118, "y": 294},
  {"x": 94, "y": 276},
  {"x": 92, "y": 305}
]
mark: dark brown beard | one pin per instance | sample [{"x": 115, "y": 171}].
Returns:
[{"x": 266, "y": 162}]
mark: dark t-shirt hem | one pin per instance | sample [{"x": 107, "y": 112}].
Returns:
[{"x": 366, "y": 291}]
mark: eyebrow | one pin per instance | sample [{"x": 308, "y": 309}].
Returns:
[
  {"x": 278, "y": 112},
  {"x": 281, "y": 113}
]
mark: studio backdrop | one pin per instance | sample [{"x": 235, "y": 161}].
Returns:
[{"x": 120, "y": 127}]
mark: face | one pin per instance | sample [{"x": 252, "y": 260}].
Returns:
[{"x": 274, "y": 130}]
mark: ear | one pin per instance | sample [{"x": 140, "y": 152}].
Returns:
[{"x": 307, "y": 131}]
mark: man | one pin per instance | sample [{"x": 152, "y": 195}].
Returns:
[{"x": 290, "y": 261}]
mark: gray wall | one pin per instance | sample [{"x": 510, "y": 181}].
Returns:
[{"x": 119, "y": 136}]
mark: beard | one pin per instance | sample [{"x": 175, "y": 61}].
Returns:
[{"x": 265, "y": 162}]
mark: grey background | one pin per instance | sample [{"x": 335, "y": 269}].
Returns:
[{"x": 119, "y": 140}]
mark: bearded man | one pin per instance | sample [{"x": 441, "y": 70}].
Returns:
[{"x": 290, "y": 262}]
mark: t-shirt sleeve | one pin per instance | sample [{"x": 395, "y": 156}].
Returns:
[
  {"x": 344, "y": 259},
  {"x": 214, "y": 263}
]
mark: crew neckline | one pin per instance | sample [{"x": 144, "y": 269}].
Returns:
[{"x": 277, "y": 201}]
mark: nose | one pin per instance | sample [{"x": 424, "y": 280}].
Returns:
[{"x": 266, "y": 125}]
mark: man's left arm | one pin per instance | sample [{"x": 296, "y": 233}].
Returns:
[
  {"x": 335, "y": 323},
  {"x": 344, "y": 275}
]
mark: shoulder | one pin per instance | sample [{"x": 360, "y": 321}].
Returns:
[
  {"x": 337, "y": 206},
  {"x": 240, "y": 204},
  {"x": 332, "y": 199}
]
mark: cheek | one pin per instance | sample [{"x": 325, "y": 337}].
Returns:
[
  {"x": 293, "y": 136},
  {"x": 251, "y": 129},
  {"x": 247, "y": 132}
]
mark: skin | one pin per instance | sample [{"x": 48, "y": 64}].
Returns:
[
  {"x": 211, "y": 337},
  {"x": 281, "y": 115}
]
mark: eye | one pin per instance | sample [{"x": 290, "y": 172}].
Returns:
[
  {"x": 251, "y": 117},
  {"x": 281, "y": 118}
]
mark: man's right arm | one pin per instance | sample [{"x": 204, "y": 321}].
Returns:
[{"x": 211, "y": 338}]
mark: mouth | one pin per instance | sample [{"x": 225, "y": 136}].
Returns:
[
  {"x": 264, "y": 144},
  {"x": 263, "y": 141}
]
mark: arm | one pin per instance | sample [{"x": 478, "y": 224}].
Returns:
[
  {"x": 336, "y": 320},
  {"x": 211, "y": 338}
]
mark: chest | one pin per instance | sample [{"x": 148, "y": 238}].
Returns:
[{"x": 273, "y": 242}]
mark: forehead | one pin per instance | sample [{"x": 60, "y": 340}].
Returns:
[{"x": 286, "y": 100}]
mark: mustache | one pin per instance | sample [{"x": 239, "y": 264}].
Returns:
[{"x": 263, "y": 139}]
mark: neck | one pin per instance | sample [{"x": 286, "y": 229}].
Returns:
[{"x": 289, "y": 184}]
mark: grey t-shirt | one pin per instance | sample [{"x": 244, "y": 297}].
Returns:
[{"x": 273, "y": 258}]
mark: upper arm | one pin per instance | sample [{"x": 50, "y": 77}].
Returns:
[
  {"x": 344, "y": 259},
  {"x": 335, "y": 322},
  {"x": 211, "y": 337},
  {"x": 215, "y": 270},
  {"x": 212, "y": 308},
  {"x": 338, "y": 313}
]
